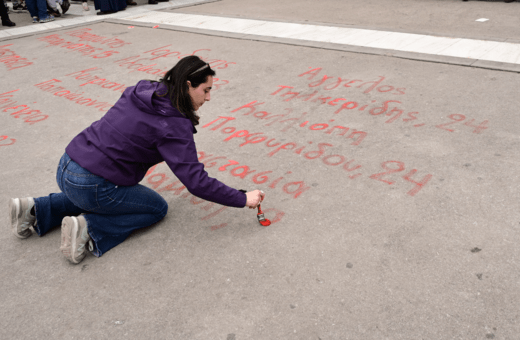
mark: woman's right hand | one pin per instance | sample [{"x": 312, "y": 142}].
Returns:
[{"x": 254, "y": 198}]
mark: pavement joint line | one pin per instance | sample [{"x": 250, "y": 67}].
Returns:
[{"x": 499, "y": 55}]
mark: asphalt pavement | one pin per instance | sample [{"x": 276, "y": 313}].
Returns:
[{"x": 384, "y": 133}]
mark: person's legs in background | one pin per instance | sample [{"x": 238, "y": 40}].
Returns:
[
  {"x": 53, "y": 8},
  {"x": 5, "y": 16}
]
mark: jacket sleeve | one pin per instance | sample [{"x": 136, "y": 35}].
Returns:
[{"x": 180, "y": 153}]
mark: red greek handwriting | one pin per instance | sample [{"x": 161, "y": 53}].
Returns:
[
  {"x": 456, "y": 118},
  {"x": 160, "y": 182},
  {"x": 164, "y": 52},
  {"x": 83, "y": 35},
  {"x": 5, "y": 141},
  {"x": 89, "y": 79},
  {"x": 312, "y": 152},
  {"x": 51, "y": 86},
  {"x": 331, "y": 82},
  {"x": 28, "y": 114},
  {"x": 400, "y": 167},
  {"x": 253, "y": 108},
  {"x": 294, "y": 188},
  {"x": 146, "y": 64},
  {"x": 389, "y": 109},
  {"x": 11, "y": 59},
  {"x": 86, "y": 50},
  {"x": 136, "y": 63}
]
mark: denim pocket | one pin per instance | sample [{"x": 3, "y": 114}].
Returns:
[{"x": 84, "y": 196}]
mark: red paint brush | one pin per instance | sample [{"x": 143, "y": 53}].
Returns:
[{"x": 261, "y": 218}]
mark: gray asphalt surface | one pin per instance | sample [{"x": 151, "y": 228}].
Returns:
[{"x": 405, "y": 226}]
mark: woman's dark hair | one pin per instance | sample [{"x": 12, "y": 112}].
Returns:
[{"x": 190, "y": 68}]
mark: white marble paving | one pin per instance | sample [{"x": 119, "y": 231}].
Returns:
[
  {"x": 467, "y": 48},
  {"x": 429, "y": 44},
  {"x": 5, "y": 34},
  {"x": 504, "y": 52},
  {"x": 320, "y": 33},
  {"x": 395, "y": 41}
]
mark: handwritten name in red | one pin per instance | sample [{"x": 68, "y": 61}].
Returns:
[
  {"x": 331, "y": 82},
  {"x": 83, "y": 35},
  {"x": 300, "y": 122},
  {"x": 90, "y": 79},
  {"x": 75, "y": 97},
  {"x": 86, "y": 50},
  {"x": 321, "y": 153},
  {"x": 11, "y": 59},
  {"x": 28, "y": 115},
  {"x": 389, "y": 108},
  {"x": 157, "y": 179}
]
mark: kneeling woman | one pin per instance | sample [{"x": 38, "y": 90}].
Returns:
[{"x": 101, "y": 202}]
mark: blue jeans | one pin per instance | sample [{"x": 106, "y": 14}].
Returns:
[
  {"x": 37, "y": 8},
  {"x": 112, "y": 212}
]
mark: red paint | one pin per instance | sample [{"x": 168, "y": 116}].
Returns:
[
  {"x": 389, "y": 108},
  {"x": 261, "y": 218},
  {"x": 157, "y": 179},
  {"x": 309, "y": 152},
  {"x": 400, "y": 167},
  {"x": 73, "y": 96},
  {"x": 87, "y": 78},
  {"x": 147, "y": 63},
  {"x": 161, "y": 182},
  {"x": 215, "y": 227},
  {"x": 478, "y": 128},
  {"x": 418, "y": 185},
  {"x": 287, "y": 123},
  {"x": 457, "y": 118},
  {"x": 164, "y": 52},
  {"x": 332, "y": 82},
  {"x": 295, "y": 189},
  {"x": 28, "y": 115},
  {"x": 83, "y": 34},
  {"x": 312, "y": 152},
  {"x": 86, "y": 50},
  {"x": 11, "y": 59},
  {"x": 8, "y": 141},
  {"x": 218, "y": 83}
]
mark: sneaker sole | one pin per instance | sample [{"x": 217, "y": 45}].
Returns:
[
  {"x": 67, "y": 234},
  {"x": 14, "y": 211}
]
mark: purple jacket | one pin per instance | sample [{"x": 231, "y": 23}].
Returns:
[{"x": 139, "y": 131}]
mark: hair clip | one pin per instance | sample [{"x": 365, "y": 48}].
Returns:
[{"x": 199, "y": 69}]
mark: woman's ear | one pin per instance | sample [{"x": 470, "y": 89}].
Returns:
[{"x": 189, "y": 84}]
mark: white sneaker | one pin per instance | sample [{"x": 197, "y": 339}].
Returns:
[
  {"x": 75, "y": 238},
  {"x": 85, "y": 6},
  {"x": 20, "y": 216},
  {"x": 59, "y": 8}
]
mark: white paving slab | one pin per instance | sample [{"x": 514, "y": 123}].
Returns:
[
  {"x": 395, "y": 41},
  {"x": 504, "y": 53},
  {"x": 429, "y": 44},
  {"x": 467, "y": 48},
  {"x": 5, "y": 34},
  {"x": 320, "y": 33},
  {"x": 361, "y": 37}
]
